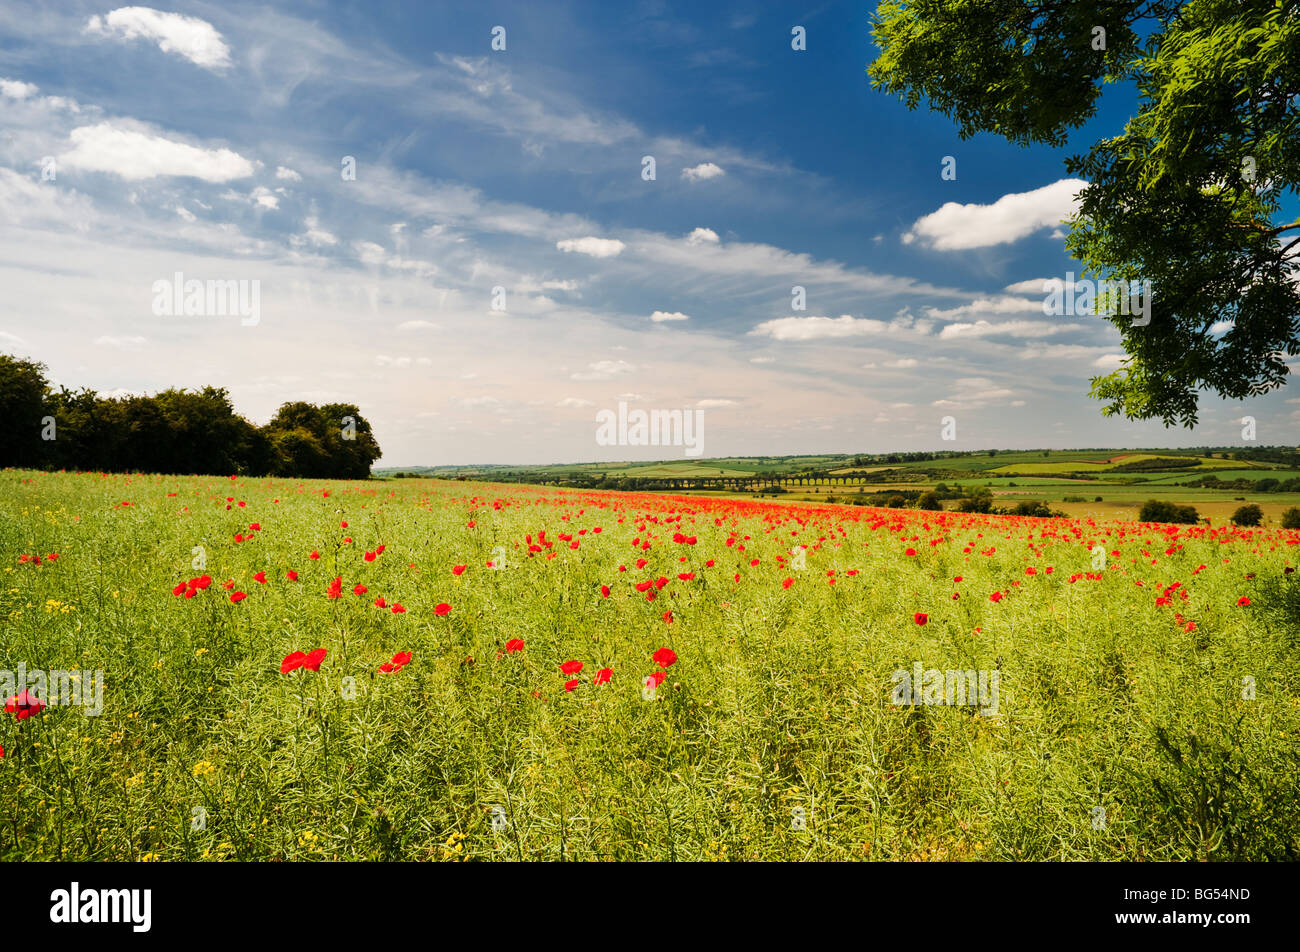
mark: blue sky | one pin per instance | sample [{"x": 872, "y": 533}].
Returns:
[{"x": 208, "y": 139}]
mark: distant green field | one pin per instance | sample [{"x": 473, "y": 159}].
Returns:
[{"x": 1066, "y": 466}]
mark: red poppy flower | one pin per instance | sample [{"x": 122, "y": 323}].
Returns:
[
  {"x": 442, "y": 608},
  {"x": 570, "y": 685},
  {"x": 656, "y": 676},
  {"x": 458, "y": 569},
  {"x": 1243, "y": 600},
  {"x": 336, "y": 588},
  {"x": 995, "y": 597},
  {"x": 260, "y": 577},
  {"x": 291, "y": 575},
  {"x": 237, "y": 597},
  {"x": 665, "y": 657},
  {"x": 314, "y": 554},
  {"x": 603, "y": 676},
  {"x": 23, "y": 705},
  {"x": 358, "y": 589},
  {"x": 514, "y": 644},
  {"x": 604, "y": 591},
  {"x": 398, "y": 609},
  {"x": 571, "y": 667},
  {"x": 369, "y": 556},
  {"x": 921, "y": 618},
  {"x": 787, "y": 583},
  {"x": 298, "y": 659},
  {"x": 400, "y": 660},
  {"x": 668, "y": 617},
  {"x": 179, "y": 589}
]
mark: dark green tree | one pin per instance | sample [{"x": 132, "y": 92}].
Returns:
[{"x": 23, "y": 395}]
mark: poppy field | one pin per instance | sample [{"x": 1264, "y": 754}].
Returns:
[{"x": 417, "y": 669}]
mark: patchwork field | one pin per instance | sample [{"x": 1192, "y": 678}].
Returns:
[{"x": 440, "y": 670}]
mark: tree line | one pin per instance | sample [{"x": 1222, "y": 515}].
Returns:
[{"x": 174, "y": 431}]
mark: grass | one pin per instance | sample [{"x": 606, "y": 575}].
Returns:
[{"x": 780, "y": 699}]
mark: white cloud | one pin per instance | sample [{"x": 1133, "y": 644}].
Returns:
[
  {"x": 702, "y": 236},
  {"x": 1221, "y": 327},
  {"x": 136, "y": 155},
  {"x": 574, "y": 403},
  {"x": 660, "y": 316},
  {"x": 1040, "y": 286},
  {"x": 818, "y": 328},
  {"x": 17, "y": 89},
  {"x": 263, "y": 197},
  {"x": 1012, "y": 217},
  {"x": 604, "y": 370},
  {"x": 1109, "y": 361},
  {"x": 596, "y": 247},
  {"x": 196, "y": 40},
  {"x": 1008, "y": 328},
  {"x": 287, "y": 174},
  {"x": 762, "y": 360},
  {"x": 973, "y": 392},
  {"x": 716, "y": 404},
  {"x": 315, "y": 235},
  {"x": 705, "y": 170},
  {"x": 988, "y": 305},
  {"x": 419, "y": 326}
]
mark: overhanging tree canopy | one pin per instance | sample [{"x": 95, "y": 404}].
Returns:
[{"x": 1189, "y": 196}]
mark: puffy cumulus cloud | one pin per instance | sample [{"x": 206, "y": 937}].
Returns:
[
  {"x": 196, "y": 40},
  {"x": 604, "y": 370},
  {"x": 263, "y": 197},
  {"x": 17, "y": 89},
  {"x": 987, "y": 305},
  {"x": 596, "y": 247},
  {"x": 702, "y": 172},
  {"x": 1040, "y": 286},
  {"x": 660, "y": 316},
  {"x": 956, "y": 227},
  {"x": 702, "y": 236},
  {"x": 574, "y": 403},
  {"x": 1109, "y": 361},
  {"x": 134, "y": 156},
  {"x": 287, "y": 174},
  {"x": 822, "y": 328}
]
